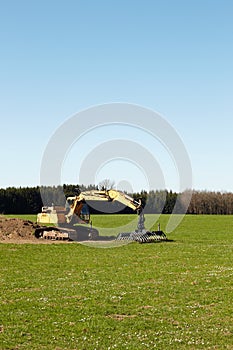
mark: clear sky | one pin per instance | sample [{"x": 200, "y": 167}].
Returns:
[{"x": 60, "y": 57}]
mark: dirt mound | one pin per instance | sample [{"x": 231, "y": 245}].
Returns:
[{"x": 16, "y": 229}]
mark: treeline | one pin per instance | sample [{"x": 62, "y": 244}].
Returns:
[
  {"x": 202, "y": 202},
  {"x": 28, "y": 200},
  {"x": 20, "y": 200},
  {"x": 205, "y": 202}
]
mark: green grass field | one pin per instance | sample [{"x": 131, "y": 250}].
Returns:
[
  {"x": 30, "y": 217},
  {"x": 174, "y": 295}
]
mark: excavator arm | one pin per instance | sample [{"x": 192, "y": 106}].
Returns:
[{"x": 76, "y": 203}]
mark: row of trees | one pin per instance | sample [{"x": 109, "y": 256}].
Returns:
[
  {"x": 29, "y": 200},
  {"x": 204, "y": 202},
  {"x": 20, "y": 200}
]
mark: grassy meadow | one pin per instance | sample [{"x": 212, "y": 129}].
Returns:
[{"x": 173, "y": 295}]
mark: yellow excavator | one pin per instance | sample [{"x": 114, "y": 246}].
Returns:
[{"x": 73, "y": 222}]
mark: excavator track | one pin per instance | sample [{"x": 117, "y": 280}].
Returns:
[
  {"x": 66, "y": 234},
  {"x": 51, "y": 233}
]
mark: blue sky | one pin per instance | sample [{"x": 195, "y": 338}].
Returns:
[{"x": 60, "y": 57}]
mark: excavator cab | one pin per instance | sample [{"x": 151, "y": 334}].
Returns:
[
  {"x": 85, "y": 214},
  {"x": 77, "y": 210}
]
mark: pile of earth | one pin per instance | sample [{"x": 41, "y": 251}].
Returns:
[{"x": 16, "y": 229}]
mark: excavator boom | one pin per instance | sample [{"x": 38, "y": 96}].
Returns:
[{"x": 76, "y": 203}]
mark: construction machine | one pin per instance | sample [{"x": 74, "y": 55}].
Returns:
[{"x": 73, "y": 222}]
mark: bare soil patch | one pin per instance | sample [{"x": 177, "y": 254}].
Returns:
[
  {"x": 14, "y": 230},
  {"x": 17, "y": 230}
]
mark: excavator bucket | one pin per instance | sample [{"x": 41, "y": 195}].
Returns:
[{"x": 143, "y": 236}]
